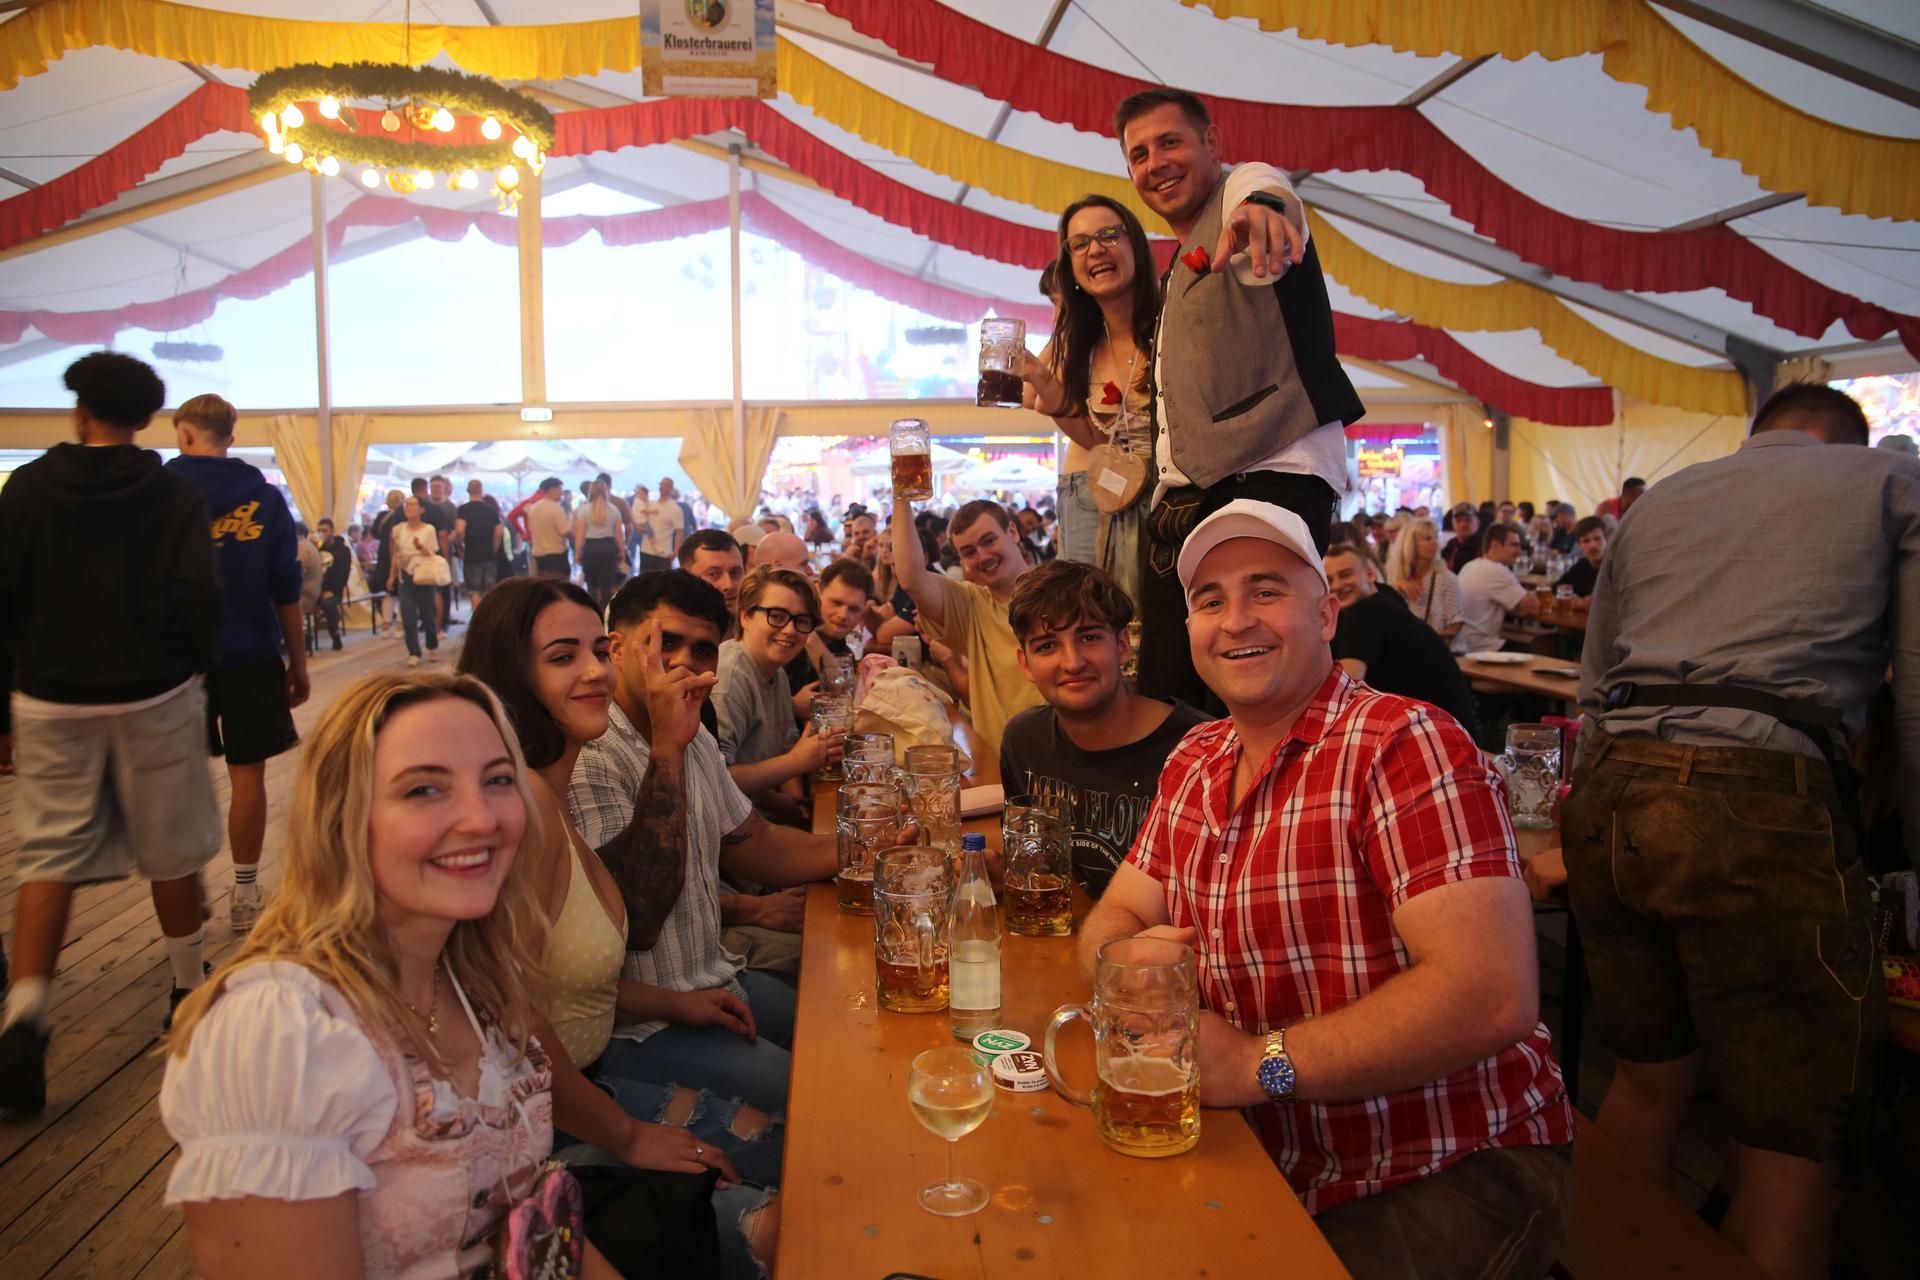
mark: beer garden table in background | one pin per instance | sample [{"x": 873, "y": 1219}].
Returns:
[
  {"x": 1535, "y": 675},
  {"x": 1062, "y": 1204}
]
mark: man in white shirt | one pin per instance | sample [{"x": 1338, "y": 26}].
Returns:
[
  {"x": 1489, "y": 592},
  {"x": 1263, "y": 417}
]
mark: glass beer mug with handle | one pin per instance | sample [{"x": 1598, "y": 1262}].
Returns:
[
  {"x": 910, "y": 446},
  {"x": 1530, "y": 769},
  {"x": 1145, "y": 1014},
  {"x": 868, "y": 818},
  {"x": 931, "y": 779},
  {"x": 912, "y": 913}
]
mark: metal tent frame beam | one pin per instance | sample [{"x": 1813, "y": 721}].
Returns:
[{"x": 1819, "y": 38}]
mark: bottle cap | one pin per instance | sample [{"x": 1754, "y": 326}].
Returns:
[
  {"x": 973, "y": 840},
  {"x": 1020, "y": 1072},
  {"x": 989, "y": 1045}
]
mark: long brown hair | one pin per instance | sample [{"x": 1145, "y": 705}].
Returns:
[
  {"x": 1078, "y": 323},
  {"x": 325, "y": 918}
]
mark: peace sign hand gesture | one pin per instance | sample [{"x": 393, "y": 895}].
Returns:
[{"x": 674, "y": 694}]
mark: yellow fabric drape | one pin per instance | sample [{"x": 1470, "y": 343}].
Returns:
[
  {"x": 351, "y": 432},
  {"x": 1013, "y": 175},
  {"x": 296, "y": 448},
  {"x": 708, "y": 451},
  {"x": 1784, "y": 148},
  {"x": 1466, "y": 443},
  {"x": 1511, "y": 305},
  {"x": 37, "y": 37},
  {"x": 1586, "y": 465},
  {"x": 297, "y": 452}
]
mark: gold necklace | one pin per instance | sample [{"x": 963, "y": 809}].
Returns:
[{"x": 432, "y": 1015}]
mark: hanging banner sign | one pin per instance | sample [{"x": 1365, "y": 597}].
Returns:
[
  {"x": 707, "y": 49},
  {"x": 1380, "y": 462}
]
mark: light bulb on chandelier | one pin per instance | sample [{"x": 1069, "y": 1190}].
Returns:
[
  {"x": 509, "y": 177},
  {"x": 523, "y": 147},
  {"x": 330, "y": 107},
  {"x": 490, "y": 129},
  {"x": 467, "y": 180},
  {"x": 292, "y": 116},
  {"x": 443, "y": 120},
  {"x": 270, "y": 122},
  {"x": 390, "y": 121},
  {"x": 369, "y": 179},
  {"x": 329, "y": 167},
  {"x": 295, "y": 154},
  {"x": 276, "y": 144},
  {"x": 424, "y": 179}
]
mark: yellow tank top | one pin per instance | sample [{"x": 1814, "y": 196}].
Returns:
[{"x": 584, "y": 956}]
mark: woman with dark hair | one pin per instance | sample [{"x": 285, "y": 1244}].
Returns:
[
  {"x": 1092, "y": 380},
  {"x": 540, "y": 645}
]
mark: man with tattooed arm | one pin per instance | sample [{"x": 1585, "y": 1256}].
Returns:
[{"x": 653, "y": 796}]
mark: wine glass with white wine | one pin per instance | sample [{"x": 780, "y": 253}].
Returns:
[{"x": 951, "y": 1095}]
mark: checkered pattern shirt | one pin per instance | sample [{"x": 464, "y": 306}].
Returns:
[
  {"x": 688, "y": 955},
  {"x": 1370, "y": 800}
]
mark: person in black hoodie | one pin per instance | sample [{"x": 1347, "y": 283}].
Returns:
[
  {"x": 333, "y": 583},
  {"x": 108, "y": 612},
  {"x": 250, "y": 693}
]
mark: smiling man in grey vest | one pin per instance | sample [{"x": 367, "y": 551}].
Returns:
[{"x": 1249, "y": 399}]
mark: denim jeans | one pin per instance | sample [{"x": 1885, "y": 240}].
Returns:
[
  {"x": 716, "y": 1059},
  {"x": 417, "y": 606},
  {"x": 1079, "y": 518}
]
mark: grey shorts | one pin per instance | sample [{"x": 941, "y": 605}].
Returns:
[{"x": 106, "y": 797}]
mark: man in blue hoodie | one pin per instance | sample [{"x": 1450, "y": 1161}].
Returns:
[
  {"x": 108, "y": 611},
  {"x": 250, "y": 693}
]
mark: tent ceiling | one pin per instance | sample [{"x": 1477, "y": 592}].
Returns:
[{"x": 1560, "y": 132}]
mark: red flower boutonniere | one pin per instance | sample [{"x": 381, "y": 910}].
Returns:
[
  {"x": 1110, "y": 394},
  {"x": 1198, "y": 260}
]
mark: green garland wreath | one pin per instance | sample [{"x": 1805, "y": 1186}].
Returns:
[{"x": 390, "y": 82}]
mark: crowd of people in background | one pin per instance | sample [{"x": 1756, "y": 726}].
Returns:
[{"x": 548, "y": 903}]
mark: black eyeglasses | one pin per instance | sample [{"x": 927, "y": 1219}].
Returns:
[
  {"x": 1108, "y": 236},
  {"x": 778, "y": 618}
]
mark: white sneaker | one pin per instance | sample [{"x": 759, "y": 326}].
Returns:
[
  {"x": 242, "y": 912},
  {"x": 413, "y": 659}
]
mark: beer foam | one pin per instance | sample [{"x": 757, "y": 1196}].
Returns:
[{"x": 1152, "y": 1077}]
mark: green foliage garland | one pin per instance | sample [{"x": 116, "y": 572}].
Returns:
[{"x": 386, "y": 82}]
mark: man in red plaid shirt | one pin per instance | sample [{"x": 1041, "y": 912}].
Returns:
[{"x": 1342, "y": 862}]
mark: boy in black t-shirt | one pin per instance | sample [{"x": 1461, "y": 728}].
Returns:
[
  {"x": 1378, "y": 639},
  {"x": 1096, "y": 746}
]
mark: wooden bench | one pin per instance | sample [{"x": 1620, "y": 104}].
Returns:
[{"x": 1626, "y": 1226}]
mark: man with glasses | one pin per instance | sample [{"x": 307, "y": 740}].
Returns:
[{"x": 767, "y": 757}]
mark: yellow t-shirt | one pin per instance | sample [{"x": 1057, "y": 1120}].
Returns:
[{"x": 975, "y": 623}]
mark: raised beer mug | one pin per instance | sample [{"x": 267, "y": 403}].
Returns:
[
  {"x": 1003, "y": 341},
  {"x": 931, "y": 777},
  {"x": 911, "y": 449},
  {"x": 1145, "y": 1014},
  {"x": 912, "y": 913}
]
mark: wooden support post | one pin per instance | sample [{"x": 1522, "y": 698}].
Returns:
[
  {"x": 1501, "y": 473},
  {"x": 533, "y": 306},
  {"x": 323, "y": 356}
]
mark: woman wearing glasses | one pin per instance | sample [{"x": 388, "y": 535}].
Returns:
[
  {"x": 1092, "y": 381},
  {"x": 767, "y": 756}
]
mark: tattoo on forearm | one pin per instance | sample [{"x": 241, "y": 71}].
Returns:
[{"x": 649, "y": 859}]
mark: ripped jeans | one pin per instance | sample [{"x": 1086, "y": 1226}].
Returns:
[{"x": 756, "y": 1159}]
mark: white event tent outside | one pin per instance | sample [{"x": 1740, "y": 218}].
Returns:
[{"x": 728, "y": 338}]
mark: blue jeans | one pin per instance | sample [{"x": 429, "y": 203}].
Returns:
[
  {"x": 718, "y": 1060},
  {"x": 1079, "y": 518},
  {"x": 417, "y": 606}
]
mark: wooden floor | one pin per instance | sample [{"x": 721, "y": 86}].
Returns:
[{"x": 81, "y": 1183}]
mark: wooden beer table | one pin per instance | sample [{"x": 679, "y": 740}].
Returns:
[
  {"x": 1062, "y": 1203},
  {"x": 1535, "y": 675}
]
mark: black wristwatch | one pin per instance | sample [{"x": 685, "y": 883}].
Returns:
[{"x": 1269, "y": 199}]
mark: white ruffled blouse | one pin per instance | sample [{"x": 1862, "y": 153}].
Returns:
[{"x": 282, "y": 1098}]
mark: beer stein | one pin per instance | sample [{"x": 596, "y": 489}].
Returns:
[
  {"x": 1003, "y": 341},
  {"x": 912, "y": 908},
  {"x": 868, "y": 817},
  {"x": 1145, "y": 1014},
  {"x": 911, "y": 448},
  {"x": 868, "y": 757},
  {"x": 1530, "y": 769},
  {"x": 832, "y": 717},
  {"x": 1038, "y": 868},
  {"x": 931, "y": 780}
]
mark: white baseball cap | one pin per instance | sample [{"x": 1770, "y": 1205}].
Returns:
[{"x": 1246, "y": 518}]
